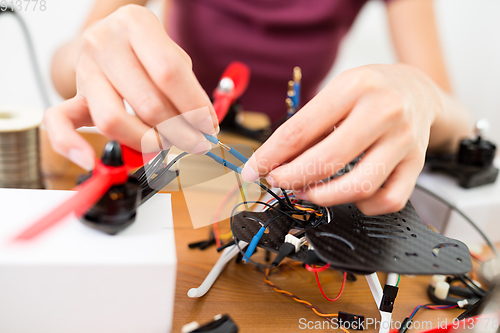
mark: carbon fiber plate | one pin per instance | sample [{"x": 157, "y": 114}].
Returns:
[{"x": 352, "y": 241}]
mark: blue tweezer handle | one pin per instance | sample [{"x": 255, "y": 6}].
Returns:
[
  {"x": 232, "y": 151},
  {"x": 225, "y": 163}
]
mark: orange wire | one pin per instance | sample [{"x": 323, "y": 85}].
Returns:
[{"x": 299, "y": 300}]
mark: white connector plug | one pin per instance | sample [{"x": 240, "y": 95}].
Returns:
[{"x": 289, "y": 238}]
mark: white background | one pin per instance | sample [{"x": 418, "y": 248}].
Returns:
[{"x": 469, "y": 30}]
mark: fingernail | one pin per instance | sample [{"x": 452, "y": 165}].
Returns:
[
  {"x": 202, "y": 148},
  {"x": 248, "y": 174},
  {"x": 300, "y": 194},
  {"x": 271, "y": 181},
  {"x": 84, "y": 161},
  {"x": 217, "y": 130}
]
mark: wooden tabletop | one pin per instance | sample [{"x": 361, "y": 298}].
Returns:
[{"x": 240, "y": 290}]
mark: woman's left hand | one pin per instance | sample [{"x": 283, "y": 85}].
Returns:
[{"x": 384, "y": 111}]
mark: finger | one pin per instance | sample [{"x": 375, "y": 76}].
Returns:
[
  {"x": 108, "y": 111},
  {"x": 338, "y": 149},
  {"x": 396, "y": 191},
  {"x": 61, "y": 122},
  {"x": 150, "y": 104},
  {"x": 135, "y": 86},
  {"x": 182, "y": 135},
  {"x": 363, "y": 181},
  {"x": 168, "y": 66},
  {"x": 128, "y": 77},
  {"x": 329, "y": 107}
]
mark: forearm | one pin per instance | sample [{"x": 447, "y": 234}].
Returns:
[
  {"x": 452, "y": 124},
  {"x": 63, "y": 68},
  {"x": 66, "y": 57}
]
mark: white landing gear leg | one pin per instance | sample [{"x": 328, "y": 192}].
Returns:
[
  {"x": 377, "y": 292},
  {"x": 224, "y": 258}
]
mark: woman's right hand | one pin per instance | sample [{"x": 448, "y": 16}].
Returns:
[{"x": 128, "y": 55}]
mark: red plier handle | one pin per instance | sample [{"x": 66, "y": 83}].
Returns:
[{"x": 233, "y": 83}]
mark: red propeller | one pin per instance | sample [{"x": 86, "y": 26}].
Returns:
[
  {"x": 233, "y": 83},
  {"x": 92, "y": 190}
]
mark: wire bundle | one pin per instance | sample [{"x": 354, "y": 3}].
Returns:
[
  {"x": 431, "y": 307},
  {"x": 315, "y": 309}
]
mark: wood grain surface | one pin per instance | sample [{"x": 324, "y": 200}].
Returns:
[{"x": 240, "y": 290}]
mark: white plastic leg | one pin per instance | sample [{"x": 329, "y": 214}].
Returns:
[
  {"x": 376, "y": 289},
  {"x": 224, "y": 258},
  {"x": 385, "y": 322}
]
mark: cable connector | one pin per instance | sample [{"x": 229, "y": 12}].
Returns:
[
  {"x": 253, "y": 244},
  {"x": 405, "y": 325},
  {"x": 351, "y": 321},
  {"x": 463, "y": 303},
  {"x": 220, "y": 324},
  {"x": 286, "y": 249},
  {"x": 297, "y": 242},
  {"x": 388, "y": 298}
]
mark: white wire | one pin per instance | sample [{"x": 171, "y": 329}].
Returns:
[
  {"x": 224, "y": 258},
  {"x": 392, "y": 279}
]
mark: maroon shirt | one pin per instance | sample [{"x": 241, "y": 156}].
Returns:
[{"x": 270, "y": 36}]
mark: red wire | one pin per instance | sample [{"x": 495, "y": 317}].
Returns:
[
  {"x": 321, "y": 269},
  {"x": 321, "y": 289},
  {"x": 216, "y": 234}
]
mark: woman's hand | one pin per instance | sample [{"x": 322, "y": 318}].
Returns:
[
  {"x": 385, "y": 111},
  {"x": 129, "y": 56}
]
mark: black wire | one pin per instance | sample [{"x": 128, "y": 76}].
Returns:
[
  {"x": 283, "y": 202},
  {"x": 472, "y": 286},
  {"x": 236, "y": 240},
  {"x": 32, "y": 55},
  {"x": 452, "y": 206},
  {"x": 154, "y": 163},
  {"x": 287, "y": 198},
  {"x": 165, "y": 169},
  {"x": 294, "y": 212}
]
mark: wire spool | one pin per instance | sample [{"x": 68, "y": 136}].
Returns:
[{"x": 20, "y": 147}]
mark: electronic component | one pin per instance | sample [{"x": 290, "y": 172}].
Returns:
[
  {"x": 473, "y": 163},
  {"x": 388, "y": 298},
  {"x": 293, "y": 92},
  {"x": 361, "y": 244},
  {"x": 116, "y": 209},
  {"x": 351, "y": 321},
  {"x": 442, "y": 292},
  {"x": 405, "y": 325},
  {"x": 220, "y": 324}
]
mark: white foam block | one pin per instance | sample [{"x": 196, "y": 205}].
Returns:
[{"x": 76, "y": 279}]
